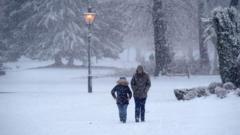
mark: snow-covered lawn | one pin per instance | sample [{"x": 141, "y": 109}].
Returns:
[{"x": 56, "y": 102}]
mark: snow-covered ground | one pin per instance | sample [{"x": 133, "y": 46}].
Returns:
[{"x": 56, "y": 102}]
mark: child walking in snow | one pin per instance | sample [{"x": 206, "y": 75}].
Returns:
[{"x": 122, "y": 98}]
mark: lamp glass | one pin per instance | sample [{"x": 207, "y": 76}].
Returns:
[{"x": 89, "y": 17}]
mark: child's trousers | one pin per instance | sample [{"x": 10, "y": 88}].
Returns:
[{"x": 122, "y": 112}]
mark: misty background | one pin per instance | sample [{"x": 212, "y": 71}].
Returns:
[{"x": 55, "y": 30}]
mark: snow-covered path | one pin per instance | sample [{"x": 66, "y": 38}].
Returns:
[{"x": 56, "y": 102}]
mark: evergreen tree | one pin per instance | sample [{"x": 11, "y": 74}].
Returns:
[
  {"x": 227, "y": 27},
  {"x": 108, "y": 30},
  {"x": 209, "y": 32},
  {"x": 2, "y": 44},
  {"x": 55, "y": 29},
  {"x": 10, "y": 48}
]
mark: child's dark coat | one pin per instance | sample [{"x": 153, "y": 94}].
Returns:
[{"x": 124, "y": 93}]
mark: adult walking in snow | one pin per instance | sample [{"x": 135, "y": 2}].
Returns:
[
  {"x": 124, "y": 94},
  {"x": 140, "y": 84}
]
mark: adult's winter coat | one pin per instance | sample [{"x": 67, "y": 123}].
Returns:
[{"x": 140, "y": 84}]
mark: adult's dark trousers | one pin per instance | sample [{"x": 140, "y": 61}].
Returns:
[
  {"x": 122, "y": 108},
  {"x": 139, "y": 108}
]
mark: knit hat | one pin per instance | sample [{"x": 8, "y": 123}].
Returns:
[
  {"x": 123, "y": 81},
  {"x": 122, "y": 78}
]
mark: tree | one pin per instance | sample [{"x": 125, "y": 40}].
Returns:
[
  {"x": 53, "y": 29},
  {"x": 234, "y": 3},
  {"x": 227, "y": 26},
  {"x": 2, "y": 44},
  {"x": 210, "y": 37},
  {"x": 162, "y": 52},
  {"x": 109, "y": 30},
  {"x": 203, "y": 49},
  {"x": 138, "y": 29},
  {"x": 10, "y": 48}
]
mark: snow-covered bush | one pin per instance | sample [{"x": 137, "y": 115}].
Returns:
[
  {"x": 221, "y": 92},
  {"x": 188, "y": 94},
  {"x": 180, "y": 93},
  {"x": 237, "y": 92},
  {"x": 201, "y": 91},
  {"x": 212, "y": 86},
  {"x": 229, "y": 86},
  {"x": 191, "y": 94}
]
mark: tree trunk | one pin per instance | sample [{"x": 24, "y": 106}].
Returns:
[
  {"x": 161, "y": 48},
  {"x": 58, "y": 60},
  {"x": 203, "y": 50},
  {"x": 215, "y": 69},
  {"x": 70, "y": 61}
]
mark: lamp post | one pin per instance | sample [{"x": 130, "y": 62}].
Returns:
[{"x": 89, "y": 18}]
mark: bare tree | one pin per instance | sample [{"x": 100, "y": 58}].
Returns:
[
  {"x": 203, "y": 50},
  {"x": 160, "y": 27}
]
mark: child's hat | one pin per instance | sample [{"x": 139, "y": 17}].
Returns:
[
  {"x": 123, "y": 81},
  {"x": 122, "y": 78}
]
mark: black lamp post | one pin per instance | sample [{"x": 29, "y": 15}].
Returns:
[{"x": 89, "y": 18}]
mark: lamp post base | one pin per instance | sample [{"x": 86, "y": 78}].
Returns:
[{"x": 89, "y": 84}]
